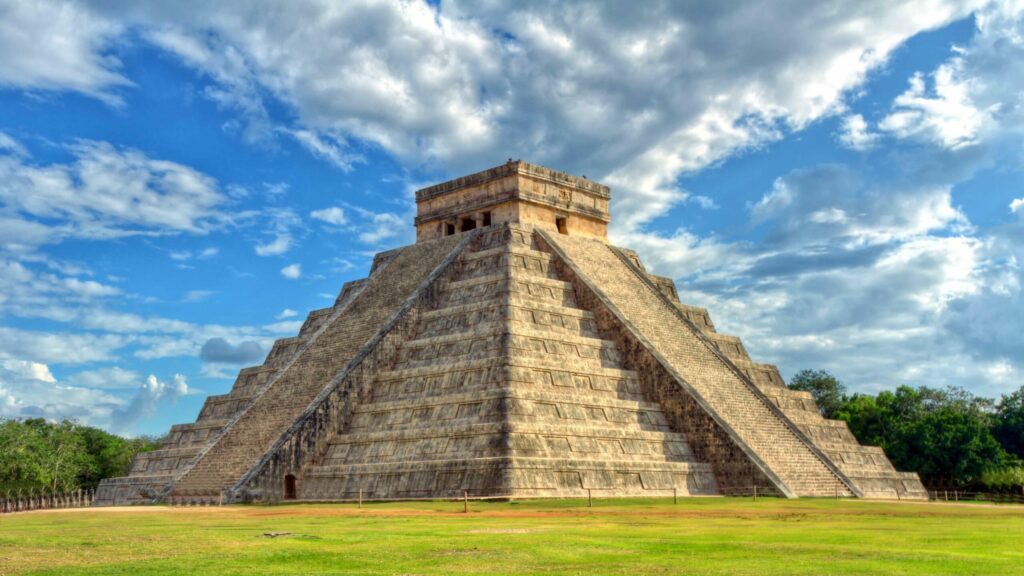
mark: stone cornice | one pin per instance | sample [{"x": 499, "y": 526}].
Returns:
[{"x": 511, "y": 168}]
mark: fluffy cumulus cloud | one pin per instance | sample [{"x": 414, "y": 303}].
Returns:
[
  {"x": 331, "y": 215},
  {"x": 149, "y": 396},
  {"x": 855, "y": 134},
  {"x": 855, "y": 282},
  {"x": 292, "y": 271},
  {"x": 75, "y": 56},
  {"x": 29, "y": 390},
  {"x": 105, "y": 192}
]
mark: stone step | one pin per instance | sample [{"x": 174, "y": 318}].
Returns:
[
  {"x": 526, "y": 477},
  {"x": 484, "y": 262},
  {"x": 513, "y": 392},
  {"x": 511, "y": 281},
  {"x": 492, "y": 314},
  {"x": 507, "y": 405}
]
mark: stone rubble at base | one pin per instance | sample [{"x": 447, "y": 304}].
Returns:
[{"x": 511, "y": 352}]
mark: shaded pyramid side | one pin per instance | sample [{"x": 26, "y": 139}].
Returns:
[
  {"x": 867, "y": 466},
  {"x": 152, "y": 472},
  {"x": 298, "y": 383},
  {"x": 503, "y": 388},
  {"x": 684, "y": 366}
]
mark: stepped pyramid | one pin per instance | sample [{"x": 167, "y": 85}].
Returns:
[{"x": 510, "y": 352}]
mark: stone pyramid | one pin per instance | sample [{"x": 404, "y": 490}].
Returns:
[{"x": 511, "y": 352}]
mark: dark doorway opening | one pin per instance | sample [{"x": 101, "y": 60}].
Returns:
[
  {"x": 487, "y": 219},
  {"x": 449, "y": 229},
  {"x": 289, "y": 488},
  {"x": 468, "y": 224},
  {"x": 562, "y": 229}
]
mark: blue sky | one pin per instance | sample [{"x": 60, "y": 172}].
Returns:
[{"x": 181, "y": 183}]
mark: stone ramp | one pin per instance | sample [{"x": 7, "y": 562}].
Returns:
[
  {"x": 776, "y": 445},
  {"x": 299, "y": 382}
]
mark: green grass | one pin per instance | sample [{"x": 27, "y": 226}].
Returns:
[{"x": 697, "y": 536}]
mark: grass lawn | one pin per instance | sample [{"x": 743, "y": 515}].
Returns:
[{"x": 697, "y": 536}]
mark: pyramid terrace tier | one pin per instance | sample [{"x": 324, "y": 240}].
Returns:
[
  {"x": 478, "y": 376},
  {"x": 512, "y": 402},
  {"x": 508, "y": 477}
]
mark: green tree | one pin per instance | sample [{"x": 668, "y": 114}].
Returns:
[
  {"x": 1008, "y": 427},
  {"x": 943, "y": 435},
  {"x": 40, "y": 455},
  {"x": 828, "y": 392}
]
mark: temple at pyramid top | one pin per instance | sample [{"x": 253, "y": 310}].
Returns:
[{"x": 515, "y": 192}]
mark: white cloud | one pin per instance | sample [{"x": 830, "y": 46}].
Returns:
[
  {"x": 281, "y": 244},
  {"x": 327, "y": 147},
  {"x": 59, "y": 46},
  {"x": 11, "y": 145},
  {"x": 106, "y": 192},
  {"x": 197, "y": 295},
  {"x": 1016, "y": 204},
  {"x": 282, "y": 223},
  {"x": 289, "y": 327},
  {"x": 378, "y": 227},
  {"x": 831, "y": 203},
  {"x": 332, "y": 215},
  {"x": 292, "y": 271},
  {"x": 31, "y": 370},
  {"x": 58, "y": 348},
  {"x": 948, "y": 117},
  {"x": 854, "y": 133},
  {"x": 29, "y": 390},
  {"x": 150, "y": 395},
  {"x": 286, "y": 313},
  {"x": 113, "y": 377}
]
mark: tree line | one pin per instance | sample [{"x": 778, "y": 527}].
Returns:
[
  {"x": 39, "y": 455},
  {"x": 950, "y": 437}
]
